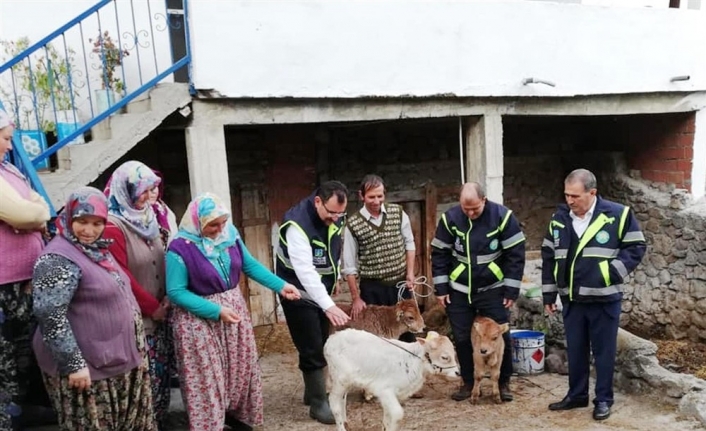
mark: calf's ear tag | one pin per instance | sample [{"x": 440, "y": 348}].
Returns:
[{"x": 431, "y": 335}]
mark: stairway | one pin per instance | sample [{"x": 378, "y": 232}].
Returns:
[
  {"x": 82, "y": 164},
  {"x": 42, "y": 80}
]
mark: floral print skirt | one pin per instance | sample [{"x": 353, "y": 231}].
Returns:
[
  {"x": 218, "y": 368},
  {"x": 160, "y": 352},
  {"x": 120, "y": 403}
]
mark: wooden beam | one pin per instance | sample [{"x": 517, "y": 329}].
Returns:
[
  {"x": 413, "y": 195},
  {"x": 430, "y": 203}
]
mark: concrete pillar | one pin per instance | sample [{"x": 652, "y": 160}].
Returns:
[
  {"x": 484, "y": 154},
  {"x": 698, "y": 169},
  {"x": 208, "y": 161}
]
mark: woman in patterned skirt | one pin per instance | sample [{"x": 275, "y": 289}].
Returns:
[
  {"x": 90, "y": 343},
  {"x": 215, "y": 344}
]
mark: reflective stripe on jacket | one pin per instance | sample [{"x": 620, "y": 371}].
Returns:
[
  {"x": 594, "y": 267},
  {"x": 475, "y": 256},
  {"x": 325, "y": 244}
]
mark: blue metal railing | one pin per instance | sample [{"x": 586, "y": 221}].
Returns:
[{"x": 66, "y": 83}]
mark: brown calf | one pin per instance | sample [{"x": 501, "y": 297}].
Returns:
[
  {"x": 389, "y": 321},
  {"x": 488, "y": 347}
]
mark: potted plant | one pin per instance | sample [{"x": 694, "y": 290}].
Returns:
[
  {"x": 40, "y": 95},
  {"x": 111, "y": 57}
]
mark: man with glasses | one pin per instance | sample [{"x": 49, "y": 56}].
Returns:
[
  {"x": 308, "y": 255},
  {"x": 591, "y": 246}
]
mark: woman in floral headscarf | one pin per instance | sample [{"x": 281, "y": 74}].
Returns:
[
  {"x": 138, "y": 248},
  {"x": 215, "y": 344},
  {"x": 90, "y": 342}
]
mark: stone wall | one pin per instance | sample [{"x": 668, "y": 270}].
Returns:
[
  {"x": 667, "y": 292},
  {"x": 407, "y": 154},
  {"x": 666, "y": 295}
]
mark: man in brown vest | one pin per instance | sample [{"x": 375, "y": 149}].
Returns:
[{"x": 378, "y": 247}]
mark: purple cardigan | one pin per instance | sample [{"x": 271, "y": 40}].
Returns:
[{"x": 102, "y": 317}]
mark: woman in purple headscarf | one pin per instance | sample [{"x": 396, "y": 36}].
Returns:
[{"x": 90, "y": 343}]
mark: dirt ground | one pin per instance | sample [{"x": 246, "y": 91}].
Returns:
[{"x": 284, "y": 411}]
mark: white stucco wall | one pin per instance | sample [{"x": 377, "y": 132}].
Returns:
[{"x": 353, "y": 48}]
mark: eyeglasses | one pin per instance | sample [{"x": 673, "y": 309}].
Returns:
[{"x": 332, "y": 213}]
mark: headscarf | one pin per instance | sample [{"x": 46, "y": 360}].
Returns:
[
  {"x": 159, "y": 207},
  {"x": 200, "y": 212},
  {"x": 84, "y": 202},
  {"x": 5, "y": 120},
  {"x": 125, "y": 186}
]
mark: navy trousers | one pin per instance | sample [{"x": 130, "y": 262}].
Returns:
[
  {"x": 461, "y": 315},
  {"x": 591, "y": 327}
]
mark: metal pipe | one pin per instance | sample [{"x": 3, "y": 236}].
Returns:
[
  {"x": 460, "y": 149},
  {"x": 680, "y": 78}
]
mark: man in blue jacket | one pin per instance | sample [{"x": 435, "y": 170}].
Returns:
[
  {"x": 478, "y": 258},
  {"x": 591, "y": 246}
]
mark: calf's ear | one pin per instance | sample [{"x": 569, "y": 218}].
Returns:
[{"x": 504, "y": 328}]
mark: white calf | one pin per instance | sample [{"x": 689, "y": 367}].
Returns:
[{"x": 391, "y": 370}]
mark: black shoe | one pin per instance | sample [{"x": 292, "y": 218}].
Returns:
[
  {"x": 506, "y": 393},
  {"x": 601, "y": 411},
  {"x": 568, "y": 404},
  {"x": 463, "y": 393}
]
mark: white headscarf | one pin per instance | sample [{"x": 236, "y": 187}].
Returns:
[{"x": 5, "y": 120}]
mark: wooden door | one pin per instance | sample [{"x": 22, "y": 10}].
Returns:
[
  {"x": 255, "y": 228},
  {"x": 420, "y": 206}
]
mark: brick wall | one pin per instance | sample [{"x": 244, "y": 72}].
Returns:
[{"x": 661, "y": 147}]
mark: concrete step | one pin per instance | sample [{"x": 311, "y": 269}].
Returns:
[{"x": 81, "y": 164}]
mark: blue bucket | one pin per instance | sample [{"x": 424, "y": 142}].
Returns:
[{"x": 527, "y": 351}]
